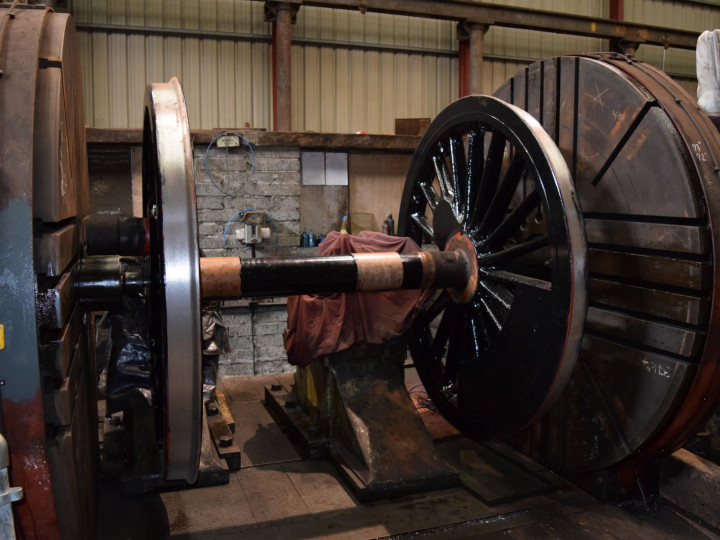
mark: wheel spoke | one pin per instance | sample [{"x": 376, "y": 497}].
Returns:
[
  {"x": 506, "y": 255},
  {"x": 430, "y": 194},
  {"x": 456, "y": 347},
  {"x": 511, "y": 222},
  {"x": 491, "y": 315},
  {"x": 424, "y": 225},
  {"x": 511, "y": 278},
  {"x": 443, "y": 175},
  {"x": 459, "y": 176},
  {"x": 440, "y": 303},
  {"x": 478, "y": 333},
  {"x": 441, "y": 337},
  {"x": 490, "y": 176},
  {"x": 475, "y": 162},
  {"x": 501, "y": 201},
  {"x": 501, "y": 294}
]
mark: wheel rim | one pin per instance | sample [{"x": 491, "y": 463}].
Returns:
[
  {"x": 487, "y": 170},
  {"x": 169, "y": 202}
]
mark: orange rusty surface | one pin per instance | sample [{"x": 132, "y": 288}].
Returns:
[
  {"x": 29, "y": 468},
  {"x": 220, "y": 277},
  {"x": 378, "y": 271}
]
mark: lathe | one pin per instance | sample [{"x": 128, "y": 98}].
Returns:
[{"x": 568, "y": 226}]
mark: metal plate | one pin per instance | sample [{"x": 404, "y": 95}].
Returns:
[
  {"x": 644, "y": 159},
  {"x": 486, "y": 169},
  {"x": 169, "y": 201}
]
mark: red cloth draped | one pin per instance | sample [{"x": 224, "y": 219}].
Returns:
[{"x": 323, "y": 324}]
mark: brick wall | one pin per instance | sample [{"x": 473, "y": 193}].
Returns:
[{"x": 254, "y": 327}]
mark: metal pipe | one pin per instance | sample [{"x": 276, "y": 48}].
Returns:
[
  {"x": 282, "y": 50},
  {"x": 528, "y": 19},
  {"x": 232, "y": 277}
]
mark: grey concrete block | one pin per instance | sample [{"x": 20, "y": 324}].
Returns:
[
  {"x": 270, "y": 367},
  {"x": 273, "y": 178},
  {"x": 212, "y": 252},
  {"x": 271, "y": 315},
  {"x": 286, "y": 215},
  {"x": 207, "y": 229},
  {"x": 270, "y": 353},
  {"x": 277, "y": 152},
  {"x": 270, "y": 341},
  {"x": 241, "y": 329},
  {"x": 211, "y": 203},
  {"x": 271, "y": 328},
  {"x": 236, "y": 370},
  {"x": 276, "y": 164},
  {"x": 241, "y": 342},
  {"x": 211, "y": 242},
  {"x": 208, "y": 190}
]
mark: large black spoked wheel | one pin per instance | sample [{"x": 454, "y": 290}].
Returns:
[{"x": 486, "y": 170}]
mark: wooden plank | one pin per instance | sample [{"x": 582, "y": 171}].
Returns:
[
  {"x": 54, "y": 249},
  {"x": 376, "y": 184},
  {"x": 57, "y": 352},
  {"x": 223, "y": 441},
  {"x": 240, "y": 389},
  {"x": 213, "y": 471},
  {"x": 411, "y": 126},
  {"x": 221, "y": 399},
  {"x": 493, "y": 476},
  {"x": 257, "y": 137},
  {"x": 692, "y": 484}
]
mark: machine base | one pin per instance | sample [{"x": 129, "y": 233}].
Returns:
[{"x": 354, "y": 407}]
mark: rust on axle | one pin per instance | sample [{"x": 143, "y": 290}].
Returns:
[{"x": 233, "y": 277}]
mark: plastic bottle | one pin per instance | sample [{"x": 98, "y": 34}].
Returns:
[
  {"x": 304, "y": 239},
  {"x": 344, "y": 227},
  {"x": 311, "y": 239}
]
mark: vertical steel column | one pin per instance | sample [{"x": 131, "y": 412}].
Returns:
[
  {"x": 470, "y": 56},
  {"x": 476, "y": 31},
  {"x": 616, "y": 12},
  {"x": 281, "y": 14},
  {"x": 463, "y": 60}
]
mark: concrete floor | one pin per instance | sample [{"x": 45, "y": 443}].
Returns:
[{"x": 279, "y": 494}]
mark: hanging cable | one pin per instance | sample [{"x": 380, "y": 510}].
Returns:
[{"x": 207, "y": 151}]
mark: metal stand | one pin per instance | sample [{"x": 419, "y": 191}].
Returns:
[{"x": 372, "y": 432}]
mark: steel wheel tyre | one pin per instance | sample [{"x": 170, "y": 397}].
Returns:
[{"x": 174, "y": 304}]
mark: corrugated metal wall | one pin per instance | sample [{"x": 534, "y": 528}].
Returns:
[
  {"x": 681, "y": 15},
  {"x": 227, "y": 83},
  {"x": 337, "y": 84}
]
